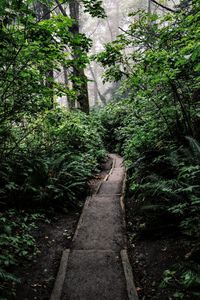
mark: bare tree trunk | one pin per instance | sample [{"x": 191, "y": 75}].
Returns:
[
  {"x": 149, "y": 7},
  {"x": 43, "y": 13},
  {"x": 70, "y": 102},
  {"x": 94, "y": 75},
  {"x": 38, "y": 10},
  {"x": 117, "y": 16},
  {"x": 103, "y": 99},
  {"x": 82, "y": 89}
]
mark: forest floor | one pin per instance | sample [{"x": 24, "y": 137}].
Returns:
[
  {"x": 38, "y": 275},
  {"x": 96, "y": 265},
  {"x": 150, "y": 256}
]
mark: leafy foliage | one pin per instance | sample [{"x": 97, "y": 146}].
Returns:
[
  {"x": 16, "y": 243},
  {"x": 47, "y": 165},
  {"x": 155, "y": 124},
  {"x": 47, "y": 154},
  {"x": 95, "y": 8},
  {"x": 50, "y": 160}
]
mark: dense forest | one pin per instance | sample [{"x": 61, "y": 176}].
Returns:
[{"x": 49, "y": 151}]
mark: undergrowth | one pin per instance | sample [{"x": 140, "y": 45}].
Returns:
[
  {"x": 17, "y": 243},
  {"x": 45, "y": 166},
  {"x": 163, "y": 186},
  {"x": 48, "y": 160},
  {"x": 154, "y": 124}
]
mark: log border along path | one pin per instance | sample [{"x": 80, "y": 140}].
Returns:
[{"x": 97, "y": 265}]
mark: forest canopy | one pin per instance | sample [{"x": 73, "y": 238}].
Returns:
[{"x": 49, "y": 152}]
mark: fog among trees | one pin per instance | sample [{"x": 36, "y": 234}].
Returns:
[{"x": 100, "y": 94}]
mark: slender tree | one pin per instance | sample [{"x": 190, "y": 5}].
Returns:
[
  {"x": 78, "y": 71},
  {"x": 96, "y": 88},
  {"x": 43, "y": 12}
]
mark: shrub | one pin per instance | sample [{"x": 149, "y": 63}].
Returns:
[
  {"x": 49, "y": 160},
  {"x": 16, "y": 242}
]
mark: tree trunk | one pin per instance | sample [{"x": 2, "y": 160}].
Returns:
[
  {"x": 43, "y": 13},
  {"x": 96, "y": 88},
  {"x": 46, "y": 15},
  {"x": 82, "y": 88},
  {"x": 149, "y": 7}
]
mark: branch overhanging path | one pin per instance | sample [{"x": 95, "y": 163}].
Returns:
[{"x": 97, "y": 265}]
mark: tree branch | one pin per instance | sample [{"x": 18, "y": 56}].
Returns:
[
  {"x": 163, "y": 6},
  {"x": 59, "y": 5}
]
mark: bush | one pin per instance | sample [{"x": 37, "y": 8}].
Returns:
[
  {"x": 163, "y": 185},
  {"x": 49, "y": 160},
  {"x": 16, "y": 243},
  {"x": 45, "y": 164}
]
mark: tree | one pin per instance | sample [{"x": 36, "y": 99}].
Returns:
[
  {"x": 46, "y": 15},
  {"x": 163, "y": 68},
  {"x": 78, "y": 77},
  {"x": 78, "y": 70},
  {"x": 96, "y": 88}
]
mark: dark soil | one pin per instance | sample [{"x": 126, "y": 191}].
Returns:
[
  {"x": 150, "y": 256},
  {"x": 149, "y": 260},
  {"x": 38, "y": 275}
]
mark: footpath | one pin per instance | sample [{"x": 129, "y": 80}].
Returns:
[{"x": 97, "y": 266}]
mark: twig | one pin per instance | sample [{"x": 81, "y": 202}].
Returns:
[{"x": 163, "y": 6}]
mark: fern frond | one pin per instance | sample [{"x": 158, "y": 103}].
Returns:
[
  {"x": 195, "y": 146},
  {"x": 5, "y": 276}
]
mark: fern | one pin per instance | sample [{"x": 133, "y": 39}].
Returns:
[
  {"x": 153, "y": 207},
  {"x": 5, "y": 276},
  {"x": 195, "y": 147}
]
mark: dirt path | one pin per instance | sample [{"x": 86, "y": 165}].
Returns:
[{"x": 96, "y": 266}]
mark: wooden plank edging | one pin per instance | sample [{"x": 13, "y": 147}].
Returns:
[
  {"x": 58, "y": 285},
  {"x": 130, "y": 286}
]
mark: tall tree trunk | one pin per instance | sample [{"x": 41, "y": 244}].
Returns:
[
  {"x": 149, "y": 6},
  {"x": 43, "y": 13},
  {"x": 117, "y": 17},
  {"x": 69, "y": 102},
  {"x": 46, "y": 15},
  {"x": 96, "y": 88},
  {"x": 82, "y": 89},
  {"x": 95, "y": 84}
]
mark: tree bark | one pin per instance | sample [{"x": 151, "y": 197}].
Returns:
[
  {"x": 96, "y": 88},
  {"x": 43, "y": 13},
  {"x": 149, "y": 6},
  {"x": 82, "y": 89}
]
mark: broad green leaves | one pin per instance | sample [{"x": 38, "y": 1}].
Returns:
[
  {"x": 94, "y": 7},
  {"x": 155, "y": 125}
]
